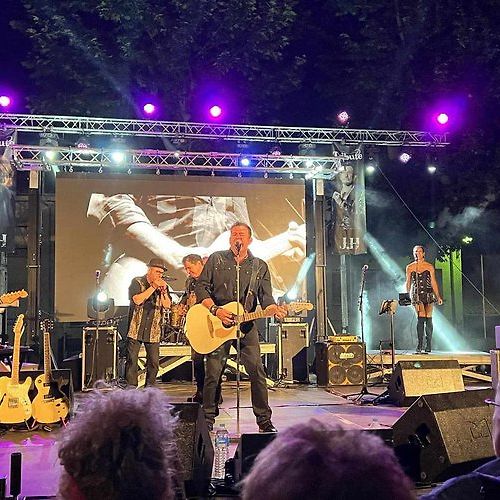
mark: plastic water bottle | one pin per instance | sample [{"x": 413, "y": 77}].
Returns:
[{"x": 221, "y": 451}]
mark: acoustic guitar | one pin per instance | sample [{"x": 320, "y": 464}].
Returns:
[
  {"x": 50, "y": 404},
  {"x": 15, "y": 404},
  {"x": 9, "y": 298},
  {"x": 206, "y": 332}
]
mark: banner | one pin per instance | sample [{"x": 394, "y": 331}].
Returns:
[
  {"x": 7, "y": 191},
  {"x": 348, "y": 201}
]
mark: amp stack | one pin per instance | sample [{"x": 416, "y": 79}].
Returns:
[{"x": 340, "y": 361}]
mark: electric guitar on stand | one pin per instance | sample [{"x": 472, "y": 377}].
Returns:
[
  {"x": 206, "y": 332},
  {"x": 11, "y": 297},
  {"x": 15, "y": 404},
  {"x": 50, "y": 404}
]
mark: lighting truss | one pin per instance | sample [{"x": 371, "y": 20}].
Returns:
[
  {"x": 186, "y": 130},
  {"x": 34, "y": 158}
]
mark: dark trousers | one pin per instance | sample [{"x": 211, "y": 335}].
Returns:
[
  {"x": 152, "y": 361},
  {"x": 252, "y": 361}
]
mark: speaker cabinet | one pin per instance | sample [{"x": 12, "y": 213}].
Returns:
[
  {"x": 195, "y": 448},
  {"x": 249, "y": 447},
  {"x": 444, "y": 435},
  {"x": 340, "y": 363},
  {"x": 98, "y": 355},
  {"x": 292, "y": 347},
  {"x": 412, "y": 379}
]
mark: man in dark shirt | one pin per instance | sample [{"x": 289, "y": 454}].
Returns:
[
  {"x": 149, "y": 298},
  {"x": 216, "y": 287}
]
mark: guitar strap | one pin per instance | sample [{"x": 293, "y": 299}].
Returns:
[{"x": 251, "y": 287}]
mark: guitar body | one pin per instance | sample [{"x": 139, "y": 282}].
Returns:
[
  {"x": 205, "y": 331},
  {"x": 50, "y": 405},
  {"x": 15, "y": 405}
]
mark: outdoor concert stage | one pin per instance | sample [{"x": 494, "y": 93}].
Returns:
[{"x": 291, "y": 404}]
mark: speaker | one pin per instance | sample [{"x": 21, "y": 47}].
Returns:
[
  {"x": 249, "y": 447},
  {"x": 340, "y": 363},
  {"x": 62, "y": 377},
  {"x": 195, "y": 448},
  {"x": 98, "y": 355},
  {"x": 444, "y": 435},
  {"x": 416, "y": 378},
  {"x": 292, "y": 350}
]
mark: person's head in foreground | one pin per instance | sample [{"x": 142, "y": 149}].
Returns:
[
  {"x": 316, "y": 460},
  {"x": 120, "y": 446}
]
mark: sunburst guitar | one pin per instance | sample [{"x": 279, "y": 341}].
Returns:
[
  {"x": 50, "y": 404},
  {"x": 206, "y": 332},
  {"x": 15, "y": 404}
]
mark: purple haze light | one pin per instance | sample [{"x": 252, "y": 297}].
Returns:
[
  {"x": 215, "y": 111},
  {"x": 149, "y": 108},
  {"x": 5, "y": 101},
  {"x": 442, "y": 118}
]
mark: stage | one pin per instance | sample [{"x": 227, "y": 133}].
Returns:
[{"x": 290, "y": 404}]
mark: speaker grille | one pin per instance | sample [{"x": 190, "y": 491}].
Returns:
[{"x": 345, "y": 363}]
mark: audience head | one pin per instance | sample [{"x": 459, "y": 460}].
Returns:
[
  {"x": 316, "y": 460},
  {"x": 120, "y": 446}
]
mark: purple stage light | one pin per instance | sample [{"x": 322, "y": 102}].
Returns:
[
  {"x": 442, "y": 118},
  {"x": 149, "y": 108},
  {"x": 215, "y": 111},
  {"x": 404, "y": 157},
  {"x": 343, "y": 117},
  {"x": 5, "y": 101}
]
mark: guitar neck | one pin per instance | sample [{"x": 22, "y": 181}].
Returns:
[
  {"x": 15, "y": 359},
  {"x": 46, "y": 357},
  {"x": 242, "y": 318}
]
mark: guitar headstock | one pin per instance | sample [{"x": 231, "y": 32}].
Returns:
[
  {"x": 19, "y": 326},
  {"x": 9, "y": 298},
  {"x": 47, "y": 325},
  {"x": 299, "y": 306}
]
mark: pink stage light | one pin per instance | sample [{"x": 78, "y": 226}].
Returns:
[
  {"x": 5, "y": 101},
  {"x": 343, "y": 117},
  {"x": 149, "y": 108},
  {"x": 442, "y": 118},
  {"x": 215, "y": 111}
]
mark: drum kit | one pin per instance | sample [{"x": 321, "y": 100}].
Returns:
[{"x": 173, "y": 325}]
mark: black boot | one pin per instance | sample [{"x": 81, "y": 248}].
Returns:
[
  {"x": 429, "y": 328},
  {"x": 420, "y": 334}
]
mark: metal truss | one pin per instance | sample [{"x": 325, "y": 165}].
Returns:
[
  {"x": 46, "y": 157},
  {"x": 186, "y": 130}
]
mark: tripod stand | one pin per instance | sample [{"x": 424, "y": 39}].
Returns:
[{"x": 364, "y": 388}]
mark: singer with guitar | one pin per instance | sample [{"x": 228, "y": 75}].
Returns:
[
  {"x": 216, "y": 286},
  {"x": 149, "y": 297}
]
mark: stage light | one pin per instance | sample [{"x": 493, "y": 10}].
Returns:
[
  {"x": 149, "y": 108},
  {"x": 102, "y": 296},
  {"x": 370, "y": 169},
  {"x": 49, "y": 139},
  {"x": 100, "y": 306},
  {"x": 404, "y": 157},
  {"x": 442, "y": 118},
  {"x": 343, "y": 117},
  {"x": 245, "y": 162},
  {"x": 215, "y": 111},
  {"x": 275, "y": 150},
  {"x": 118, "y": 147},
  {"x": 83, "y": 142},
  {"x": 50, "y": 155},
  {"x": 309, "y": 163},
  {"x": 118, "y": 156},
  {"x": 5, "y": 101},
  {"x": 467, "y": 239},
  {"x": 431, "y": 169}
]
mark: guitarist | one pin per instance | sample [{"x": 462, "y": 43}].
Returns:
[{"x": 217, "y": 286}]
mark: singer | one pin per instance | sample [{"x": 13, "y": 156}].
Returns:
[
  {"x": 422, "y": 286},
  {"x": 149, "y": 297},
  {"x": 216, "y": 286}
]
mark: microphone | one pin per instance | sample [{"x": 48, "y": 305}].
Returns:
[
  {"x": 238, "y": 245},
  {"x": 365, "y": 268},
  {"x": 97, "y": 274}
]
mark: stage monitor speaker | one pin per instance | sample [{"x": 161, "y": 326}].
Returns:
[
  {"x": 444, "y": 435},
  {"x": 292, "y": 348},
  {"x": 340, "y": 363},
  {"x": 195, "y": 449},
  {"x": 63, "y": 378},
  {"x": 249, "y": 447},
  {"x": 412, "y": 379},
  {"x": 98, "y": 355}
]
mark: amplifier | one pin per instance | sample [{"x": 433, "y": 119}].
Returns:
[
  {"x": 293, "y": 341},
  {"x": 340, "y": 363},
  {"x": 98, "y": 355},
  {"x": 342, "y": 339}
]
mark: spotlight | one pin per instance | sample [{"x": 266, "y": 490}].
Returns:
[
  {"x": 49, "y": 139},
  {"x": 149, "y": 108},
  {"x": 118, "y": 147},
  {"x": 431, "y": 169},
  {"x": 5, "y": 101},
  {"x": 275, "y": 150},
  {"x": 370, "y": 169},
  {"x": 404, "y": 157},
  {"x": 83, "y": 142},
  {"x": 50, "y": 155},
  {"x": 309, "y": 163},
  {"x": 343, "y": 118},
  {"x": 467, "y": 239},
  {"x": 245, "y": 162},
  {"x": 442, "y": 118},
  {"x": 118, "y": 156},
  {"x": 215, "y": 111},
  {"x": 100, "y": 306}
]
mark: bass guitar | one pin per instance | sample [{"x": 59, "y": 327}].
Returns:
[
  {"x": 15, "y": 404},
  {"x": 50, "y": 404},
  {"x": 206, "y": 332}
]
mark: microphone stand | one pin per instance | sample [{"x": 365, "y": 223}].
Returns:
[
  {"x": 364, "y": 389},
  {"x": 238, "y": 341}
]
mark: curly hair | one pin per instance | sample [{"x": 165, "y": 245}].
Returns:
[
  {"x": 120, "y": 446},
  {"x": 316, "y": 460}
]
